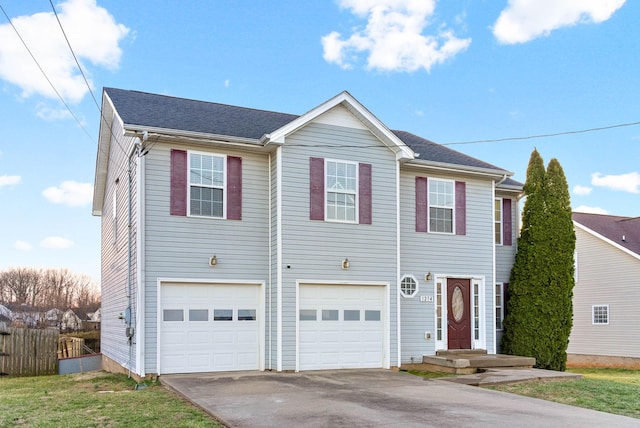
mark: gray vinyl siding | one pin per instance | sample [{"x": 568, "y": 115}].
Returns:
[
  {"x": 606, "y": 276},
  {"x": 464, "y": 256},
  {"x": 180, "y": 246},
  {"x": 505, "y": 255},
  {"x": 115, "y": 254},
  {"x": 313, "y": 250}
]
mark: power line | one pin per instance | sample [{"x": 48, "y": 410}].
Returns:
[{"x": 555, "y": 134}]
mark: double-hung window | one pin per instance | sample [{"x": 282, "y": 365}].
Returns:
[
  {"x": 206, "y": 185},
  {"x": 441, "y": 205},
  {"x": 497, "y": 209},
  {"x": 342, "y": 190}
]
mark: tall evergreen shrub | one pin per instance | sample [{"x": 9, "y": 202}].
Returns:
[{"x": 539, "y": 310}]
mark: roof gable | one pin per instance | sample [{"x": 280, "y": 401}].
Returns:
[
  {"x": 140, "y": 111},
  {"x": 623, "y": 232}
]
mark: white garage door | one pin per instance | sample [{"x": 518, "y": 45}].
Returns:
[
  {"x": 341, "y": 326},
  {"x": 209, "y": 327}
]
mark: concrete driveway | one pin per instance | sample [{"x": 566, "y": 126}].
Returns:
[{"x": 370, "y": 398}]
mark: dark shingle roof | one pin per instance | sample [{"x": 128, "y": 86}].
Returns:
[
  {"x": 161, "y": 111},
  {"x": 438, "y": 153},
  {"x": 613, "y": 228}
]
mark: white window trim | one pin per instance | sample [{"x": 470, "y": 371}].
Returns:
[
  {"x": 356, "y": 193},
  {"x": 501, "y": 285},
  {"x": 412, "y": 295},
  {"x": 499, "y": 200},
  {"x": 224, "y": 185},
  {"x": 430, "y": 205},
  {"x": 593, "y": 320}
]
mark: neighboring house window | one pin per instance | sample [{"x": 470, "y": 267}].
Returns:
[
  {"x": 206, "y": 185},
  {"x": 499, "y": 306},
  {"x": 408, "y": 286},
  {"x": 600, "y": 314},
  {"x": 342, "y": 193},
  {"x": 497, "y": 215},
  {"x": 441, "y": 206},
  {"x": 507, "y": 226}
]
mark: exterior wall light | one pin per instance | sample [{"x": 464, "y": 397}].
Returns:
[
  {"x": 427, "y": 277},
  {"x": 213, "y": 261},
  {"x": 346, "y": 264}
]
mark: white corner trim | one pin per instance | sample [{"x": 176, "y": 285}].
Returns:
[{"x": 279, "y": 259}]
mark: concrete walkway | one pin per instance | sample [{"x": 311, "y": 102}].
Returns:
[
  {"x": 371, "y": 398},
  {"x": 510, "y": 375}
]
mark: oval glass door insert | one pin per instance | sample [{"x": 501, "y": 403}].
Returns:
[{"x": 457, "y": 304}]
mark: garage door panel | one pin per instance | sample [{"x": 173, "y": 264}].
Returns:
[
  {"x": 200, "y": 339},
  {"x": 340, "y": 337}
]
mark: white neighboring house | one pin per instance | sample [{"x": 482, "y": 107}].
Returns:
[
  {"x": 70, "y": 321},
  {"x": 607, "y": 292}
]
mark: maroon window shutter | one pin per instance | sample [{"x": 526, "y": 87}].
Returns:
[
  {"x": 507, "y": 229},
  {"x": 461, "y": 208},
  {"x": 178, "y": 197},
  {"x": 316, "y": 188},
  {"x": 422, "y": 206},
  {"x": 364, "y": 190},
  {"x": 234, "y": 188}
]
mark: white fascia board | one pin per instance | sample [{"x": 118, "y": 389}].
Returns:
[
  {"x": 462, "y": 169},
  {"x": 107, "y": 115},
  {"x": 607, "y": 240},
  {"x": 190, "y": 136},
  {"x": 384, "y": 134}
]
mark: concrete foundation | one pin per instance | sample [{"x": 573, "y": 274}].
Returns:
[{"x": 602, "y": 361}]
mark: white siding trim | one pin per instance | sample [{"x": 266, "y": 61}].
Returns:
[
  {"x": 494, "y": 269},
  {"x": 261, "y": 309},
  {"x": 398, "y": 268},
  {"x": 279, "y": 258},
  {"x": 270, "y": 335},
  {"x": 607, "y": 240},
  {"x": 140, "y": 333}
]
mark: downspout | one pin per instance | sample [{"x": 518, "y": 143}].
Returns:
[
  {"x": 129, "y": 317},
  {"x": 270, "y": 271}
]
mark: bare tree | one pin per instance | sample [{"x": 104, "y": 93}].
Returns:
[{"x": 24, "y": 284}]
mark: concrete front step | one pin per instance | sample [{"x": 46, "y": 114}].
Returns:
[{"x": 471, "y": 362}]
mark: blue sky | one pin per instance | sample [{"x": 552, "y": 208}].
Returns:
[{"x": 450, "y": 71}]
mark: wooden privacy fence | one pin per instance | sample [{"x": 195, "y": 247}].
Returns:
[
  {"x": 29, "y": 352},
  {"x": 69, "y": 347}
]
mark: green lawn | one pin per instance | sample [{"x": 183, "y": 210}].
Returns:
[
  {"x": 94, "y": 399},
  {"x": 607, "y": 390}
]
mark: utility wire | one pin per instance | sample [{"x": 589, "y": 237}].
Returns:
[
  {"x": 45, "y": 74},
  {"x": 555, "y": 134},
  {"x": 86, "y": 82}
]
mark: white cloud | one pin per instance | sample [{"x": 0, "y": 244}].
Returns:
[
  {"x": 9, "y": 180},
  {"x": 624, "y": 182},
  {"x": 51, "y": 114},
  {"x": 582, "y": 190},
  {"x": 525, "y": 20},
  {"x": 22, "y": 246},
  {"x": 227, "y": 83},
  {"x": 590, "y": 210},
  {"x": 92, "y": 32},
  {"x": 70, "y": 193},
  {"x": 56, "y": 242},
  {"x": 393, "y": 37}
]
